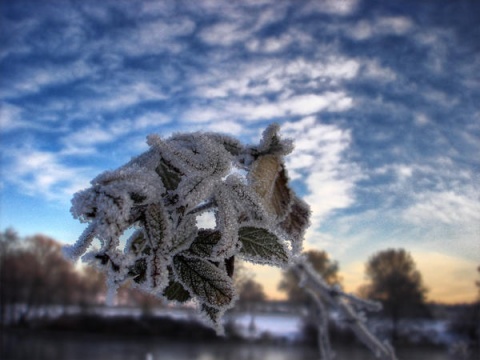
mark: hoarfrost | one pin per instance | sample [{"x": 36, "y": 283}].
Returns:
[{"x": 162, "y": 192}]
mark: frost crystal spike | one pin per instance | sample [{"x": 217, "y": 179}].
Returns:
[{"x": 160, "y": 194}]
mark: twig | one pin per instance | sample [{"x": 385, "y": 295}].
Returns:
[
  {"x": 74, "y": 251},
  {"x": 321, "y": 318},
  {"x": 204, "y": 207},
  {"x": 311, "y": 280}
]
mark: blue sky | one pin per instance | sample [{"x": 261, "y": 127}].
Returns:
[{"x": 380, "y": 97}]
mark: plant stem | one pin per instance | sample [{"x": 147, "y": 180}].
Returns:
[{"x": 322, "y": 292}]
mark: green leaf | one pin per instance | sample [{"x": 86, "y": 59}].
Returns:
[
  {"x": 204, "y": 280},
  {"x": 260, "y": 245},
  {"x": 170, "y": 175},
  {"x": 205, "y": 242},
  {"x": 176, "y": 292}
]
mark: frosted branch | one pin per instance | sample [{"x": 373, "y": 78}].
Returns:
[
  {"x": 312, "y": 281},
  {"x": 258, "y": 218},
  {"x": 76, "y": 250}
]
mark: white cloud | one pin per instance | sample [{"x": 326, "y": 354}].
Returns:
[
  {"x": 84, "y": 140},
  {"x": 271, "y": 44},
  {"x": 300, "y": 105},
  {"x": 10, "y": 117},
  {"x": 262, "y": 78},
  {"x": 361, "y": 31},
  {"x": 380, "y": 26},
  {"x": 332, "y": 67},
  {"x": 331, "y": 7},
  {"x": 34, "y": 79},
  {"x": 224, "y": 34},
  {"x": 313, "y": 103},
  {"x": 230, "y": 127},
  {"x": 116, "y": 96},
  {"x": 43, "y": 173},
  {"x": 447, "y": 207},
  {"x": 421, "y": 119},
  {"x": 149, "y": 120},
  {"x": 93, "y": 135},
  {"x": 371, "y": 69},
  {"x": 397, "y": 25},
  {"x": 156, "y": 8},
  {"x": 243, "y": 92},
  {"x": 155, "y": 37},
  {"x": 270, "y": 14},
  {"x": 318, "y": 161},
  {"x": 207, "y": 114}
]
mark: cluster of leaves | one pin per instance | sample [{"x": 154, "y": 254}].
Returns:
[{"x": 162, "y": 192}]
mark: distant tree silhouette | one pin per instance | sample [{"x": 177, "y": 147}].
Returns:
[
  {"x": 397, "y": 284},
  {"x": 322, "y": 264},
  {"x": 34, "y": 274},
  {"x": 478, "y": 284},
  {"x": 8, "y": 242},
  {"x": 251, "y": 291}
]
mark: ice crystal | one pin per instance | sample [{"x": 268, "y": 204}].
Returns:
[{"x": 162, "y": 192}]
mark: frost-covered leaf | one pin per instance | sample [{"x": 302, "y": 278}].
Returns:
[
  {"x": 176, "y": 292},
  {"x": 195, "y": 188},
  {"x": 137, "y": 198},
  {"x": 272, "y": 144},
  {"x": 212, "y": 317},
  {"x": 296, "y": 222},
  {"x": 137, "y": 243},
  {"x": 248, "y": 203},
  {"x": 261, "y": 246},
  {"x": 269, "y": 179},
  {"x": 184, "y": 234},
  {"x": 157, "y": 228},
  {"x": 232, "y": 145},
  {"x": 170, "y": 176},
  {"x": 204, "y": 280},
  {"x": 157, "y": 225},
  {"x": 193, "y": 153},
  {"x": 157, "y": 272},
  {"x": 205, "y": 242},
  {"x": 227, "y": 223}
]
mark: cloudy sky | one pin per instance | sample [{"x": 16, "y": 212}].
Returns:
[{"x": 381, "y": 98}]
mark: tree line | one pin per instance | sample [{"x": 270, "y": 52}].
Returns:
[{"x": 35, "y": 274}]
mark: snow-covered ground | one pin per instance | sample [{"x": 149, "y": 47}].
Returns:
[
  {"x": 282, "y": 326},
  {"x": 254, "y": 325}
]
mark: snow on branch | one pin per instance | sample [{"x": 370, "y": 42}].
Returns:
[
  {"x": 345, "y": 304},
  {"x": 161, "y": 193}
]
